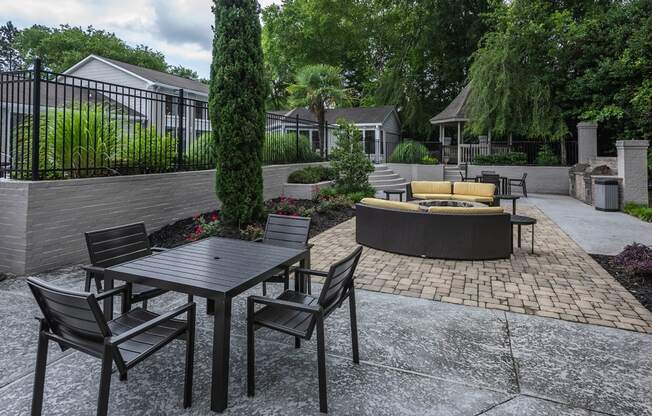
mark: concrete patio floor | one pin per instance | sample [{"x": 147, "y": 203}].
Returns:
[{"x": 419, "y": 357}]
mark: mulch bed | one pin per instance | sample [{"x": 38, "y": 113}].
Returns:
[
  {"x": 174, "y": 235},
  {"x": 638, "y": 286}
]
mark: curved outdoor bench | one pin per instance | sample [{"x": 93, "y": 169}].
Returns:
[{"x": 484, "y": 236}]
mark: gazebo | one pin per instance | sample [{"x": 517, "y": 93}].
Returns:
[{"x": 454, "y": 115}]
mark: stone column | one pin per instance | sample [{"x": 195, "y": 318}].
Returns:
[
  {"x": 587, "y": 141},
  {"x": 632, "y": 167}
]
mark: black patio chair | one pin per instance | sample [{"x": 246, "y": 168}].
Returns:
[
  {"x": 520, "y": 183},
  {"x": 298, "y": 314},
  {"x": 492, "y": 178},
  {"x": 112, "y": 246},
  {"x": 75, "y": 320},
  {"x": 285, "y": 231}
]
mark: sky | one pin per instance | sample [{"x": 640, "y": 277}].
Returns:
[{"x": 181, "y": 29}]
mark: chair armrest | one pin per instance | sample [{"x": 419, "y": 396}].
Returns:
[
  {"x": 284, "y": 304},
  {"x": 94, "y": 269},
  {"x": 158, "y": 249},
  {"x": 112, "y": 292},
  {"x": 309, "y": 246},
  {"x": 146, "y": 326},
  {"x": 311, "y": 272}
]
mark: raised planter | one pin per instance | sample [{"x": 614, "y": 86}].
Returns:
[
  {"x": 418, "y": 172},
  {"x": 304, "y": 190},
  {"x": 540, "y": 179}
]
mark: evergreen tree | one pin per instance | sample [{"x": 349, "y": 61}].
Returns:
[{"x": 237, "y": 109}]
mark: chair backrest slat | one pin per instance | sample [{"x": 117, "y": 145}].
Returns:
[
  {"x": 73, "y": 316},
  {"x": 338, "y": 281},
  {"x": 117, "y": 245},
  {"x": 287, "y": 231}
]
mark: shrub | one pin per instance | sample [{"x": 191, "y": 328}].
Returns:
[
  {"x": 312, "y": 174},
  {"x": 354, "y": 197},
  {"x": 282, "y": 148},
  {"x": 429, "y": 160},
  {"x": 147, "y": 151},
  {"x": 649, "y": 160},
  {"x": 83, "y": 142},
  {"x": 201, "y": 152},
  {"x": 636, "y": 260},
  {"x": 252, "y": 232},
  {"x": 546, "y": 157},
  {"x": 205, "y": 226},
  {"x": 510, "y": 158},
  {"x": 348, "y": 160},
  {"x": 333, "y": 204},
  {"x": 409, "y": 152},
  {"x": 237, "y": 94},
  {"x": 287, "y": 206},
  {"x": 640, "y": 211}
]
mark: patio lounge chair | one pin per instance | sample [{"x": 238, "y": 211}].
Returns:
[
  {"x": 112, "y": 246},
  {"x": 74, "y": 320},
  {"x": 520, "y": 183},
  {"x": 298, "y": 314},
  {"x": 286, "y": 231}
]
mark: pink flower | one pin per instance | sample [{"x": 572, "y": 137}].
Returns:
[{"x": 214, "y": 217}]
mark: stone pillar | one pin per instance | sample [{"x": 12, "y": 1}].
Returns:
[
  {"x": 377, "y": 145},
  {"x": 632, "y": 168},
  {"x": 587, "y": 141}
]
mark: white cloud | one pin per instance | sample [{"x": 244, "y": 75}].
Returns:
[{"x": 181, "y": 29}]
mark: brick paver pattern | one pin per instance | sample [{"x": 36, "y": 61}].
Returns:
[{"x": 559, "y": 281}]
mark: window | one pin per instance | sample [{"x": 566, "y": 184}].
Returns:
[
  {"x": 201, "y": 110},
  {"x": 171, "y": 106}
]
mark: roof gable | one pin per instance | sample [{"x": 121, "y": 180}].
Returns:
[{"x": 456, "y": 110}]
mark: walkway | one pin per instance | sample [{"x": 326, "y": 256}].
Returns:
[
  {"x": 596, "y": 232},
  {"x": 559, "y": 281},
  {"x": 418, "y": 358}
]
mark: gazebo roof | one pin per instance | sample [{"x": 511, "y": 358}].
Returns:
[{"x": 455, "y": 111}]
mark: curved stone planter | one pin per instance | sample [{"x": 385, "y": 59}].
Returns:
[{"x": 304, "y": 190}]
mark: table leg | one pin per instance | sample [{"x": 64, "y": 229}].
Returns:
[
  {"x": 210, "y": 306},
  {"x": 386, "y": 196},
  {"x": 400, "y": 197},
  {"x": 221, "y": 352},
  {"x": 304, "y": 263},
  {"x": 513, "y": 207},
  {"x": 532, "y": 238},
  {"x": 519, "y": 235},
  {"x": 108, "y": 301}
]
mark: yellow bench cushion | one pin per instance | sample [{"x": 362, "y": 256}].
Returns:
[
  {"x": 474, "y": 189},
  {"x": 465, "y": 210},
  {"x": 433, "y": 196},
  {"x": 430, "y": 187},
  {"x": 472, "y": 198},
  {"x": 382, "y": 203}
]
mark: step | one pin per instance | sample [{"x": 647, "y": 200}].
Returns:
[
  {"x": 395, "y": 187},
  {"x": 389, "y": 175},
  {"x": 387, "y": 181}
]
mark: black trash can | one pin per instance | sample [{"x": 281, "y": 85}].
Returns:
[{"x": 606, "y": 196}]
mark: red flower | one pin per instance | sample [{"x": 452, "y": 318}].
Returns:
[
  {"x": 199, "y": 230},
  {"x": 214, "y": 217}
]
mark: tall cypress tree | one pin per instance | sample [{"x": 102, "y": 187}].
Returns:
[{"x": 237, "y": 109}]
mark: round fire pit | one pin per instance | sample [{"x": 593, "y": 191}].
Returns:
[{"x": 424, "y": 205}]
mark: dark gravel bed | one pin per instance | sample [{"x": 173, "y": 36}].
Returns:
[
  {"x": 638, "y": 286},
  {"x": 174, "y": 235}
]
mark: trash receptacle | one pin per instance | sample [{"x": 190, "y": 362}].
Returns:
[{"x": 606, "y": 196}]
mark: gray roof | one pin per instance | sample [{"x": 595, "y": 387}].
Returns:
[
  {"x": 159, "y": 77},
  {"x": 357, "y": 115},
  {"x": 455, "y": 111}
]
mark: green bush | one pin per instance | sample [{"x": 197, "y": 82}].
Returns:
[
  {"x": 350, "y": 163},
  {"x": 146, "y": 150},
  {"x": 282, "y": 148},
  {"x": 201, "y": 152},
  {"x": 312, "y": 174},
  {"x": 429, "y": 160},
  {"x": 82, "y": 143},
  {"x": 510, "y": 158},
  {"x": 640, "y": 211},
  {"x": 409, "y": 152},
  {"x": 546, "y": 157}
]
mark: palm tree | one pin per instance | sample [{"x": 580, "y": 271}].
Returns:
[{"x": 318, "y": 87}]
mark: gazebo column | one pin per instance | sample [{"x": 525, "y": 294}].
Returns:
[
  {"x": 377, "y": 144},
  {"x": 441, "y": 134},
  {"x": 489, "y": 141},
  {"x": 459, "y": 142}
]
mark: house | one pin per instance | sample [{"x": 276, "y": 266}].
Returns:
[
  {"x": 160, "y": 88},
  {"x": 380, "y": 127}
]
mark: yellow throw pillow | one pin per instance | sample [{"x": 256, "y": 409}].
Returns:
[
  {"x": 431, "y": 187},
  {"x": 382, "y": 203}
]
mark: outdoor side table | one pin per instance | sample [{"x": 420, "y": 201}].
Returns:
[
  {"x": 398, "y": 192},
  {"x": 217, "y": 269},
  {"x": 513, "y": 198},
  {"x": 520, "y": 220}
]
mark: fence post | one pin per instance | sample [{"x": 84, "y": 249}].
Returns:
[
  {"x": 296, "y": 130},
  {"x": 36, "y": 118},
  {"x": 180, "y": 130}
]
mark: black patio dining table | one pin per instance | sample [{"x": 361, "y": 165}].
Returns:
[{"x": 217, "y": 269}]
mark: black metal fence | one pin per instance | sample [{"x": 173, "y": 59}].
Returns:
[{"x": 57, "y": 126}]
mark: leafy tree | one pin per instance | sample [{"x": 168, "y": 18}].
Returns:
[
  {"x": 184, "y": 72},
  {"x": 318, "y": 87},
  {"x": 237, "y": 109},
  {"x": 349, "y": 161},
  {"x": 10, "y": 60}
]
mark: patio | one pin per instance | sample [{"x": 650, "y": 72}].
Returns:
[{"x": 417, "y": 357}]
